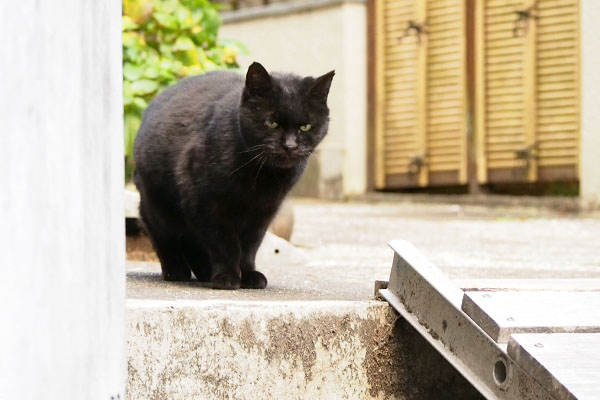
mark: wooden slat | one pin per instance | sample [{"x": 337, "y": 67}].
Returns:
[
  {"x": 557, "y": 83},
  {"x": 567, "y": 365},
  {"x": 529, "y": 92},
  {"x": 501, "y": 314},
  {"x": 480, "y": 94},
  {"x": 398, "y": 122},
  {"x": 379, "y": 94},
  {"x": 421, "y": 139},
  {"x": 446, "y": 90}
]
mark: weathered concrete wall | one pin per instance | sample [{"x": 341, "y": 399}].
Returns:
[
  {"x": 590, "y": 92},
  {"x": 219, "y": 349},
  {"x": 61, "y": 201},
  {"x": 311, "y": 38}
]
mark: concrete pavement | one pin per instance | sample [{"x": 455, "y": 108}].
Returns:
[
  {"x": 338, "y": 250},
  {"x": 184, "y": 339}
]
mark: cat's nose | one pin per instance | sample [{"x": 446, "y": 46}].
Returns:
[{"x": 290, "y": 142}]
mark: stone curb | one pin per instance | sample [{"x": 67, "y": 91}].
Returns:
[{"x": 216, "y": 349}]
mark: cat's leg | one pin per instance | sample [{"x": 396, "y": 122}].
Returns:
[
  {"x": 251, "y": 240},
  {"x": 165, "y": 239},
  {"x": 198, "y": 260},
  {"x": 223, "y": 245}
]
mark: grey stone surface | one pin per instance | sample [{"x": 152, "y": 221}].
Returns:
[{"x": 338, "y": 250}]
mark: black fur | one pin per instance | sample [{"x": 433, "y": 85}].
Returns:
[{"x": 212, "y": 168}]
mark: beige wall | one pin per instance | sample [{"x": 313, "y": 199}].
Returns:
[
  {"x": 311, "y": 40},
  {"x": 590, "y": 96}
]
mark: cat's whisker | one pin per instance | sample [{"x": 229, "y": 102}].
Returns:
[
  {"x": 243, "y": 165},
  {"x": 255, "y": 148},
  {"x": 262, "y": 163}
]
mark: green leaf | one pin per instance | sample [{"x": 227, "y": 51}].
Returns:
[
  {"x": 128, "y": 24},
  {"x": 192, "y": 70},
  {"x": 183, "y": 43},
  {"x": 184, "y": 17},
  {"x": 165, "y": 49},
  {"x": 140, "y": 103},
  {"x": 127, "y": 100},
  {"x": 133, "y": 39},
  {"x": 166, "y": 6},
  {"x": 166, "y": 20},
  {"x": 211, "y": 21},
  {"x": 127, "y": 92},
  {"x": 132, "y": 72},
  {"x": 137, "y": 10},
  {"x": 143, "y": 87},
  {"x": 132, "y": 122},
  {"x": 151, "y": 72}
]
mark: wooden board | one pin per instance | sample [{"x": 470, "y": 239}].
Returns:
[
  {"x": 501, "y": 314},
  {"x": 566, "y": 364}
]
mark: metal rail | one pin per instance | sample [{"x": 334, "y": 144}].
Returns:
[{"x": 431, "y": 303}]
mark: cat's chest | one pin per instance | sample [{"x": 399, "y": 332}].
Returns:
[{"x": 258, "y": 197}]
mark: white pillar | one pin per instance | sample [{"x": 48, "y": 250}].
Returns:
[
  {"x": 590, "y": 99},
  {"x": 62, "y": 273}
]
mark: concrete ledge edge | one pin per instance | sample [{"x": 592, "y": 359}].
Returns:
[
  {"x": 277, "y": 9},
  {"x": 307, "y": 305}
]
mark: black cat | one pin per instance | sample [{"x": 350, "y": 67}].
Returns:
[{"x": 215, "y": 156}]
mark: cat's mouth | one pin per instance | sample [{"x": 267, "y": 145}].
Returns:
[{"x": 286, "y": 160}]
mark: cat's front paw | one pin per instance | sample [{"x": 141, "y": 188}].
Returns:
[
  {"x": 176, "y": 275},
  {"x": 253, "y": 280},
  {"x": 225, "y": 281}
]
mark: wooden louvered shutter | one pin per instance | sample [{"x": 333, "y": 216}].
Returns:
[
  {"x": 446, "y": 152},
  {"x": 396, "y": 122},
  {"x": 420, "y": 111},
  {"x": 527, "y": 88},
  {"x": 557, "y": 103}
]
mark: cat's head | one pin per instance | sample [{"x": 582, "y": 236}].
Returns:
[{"x": 283, "y": 115}]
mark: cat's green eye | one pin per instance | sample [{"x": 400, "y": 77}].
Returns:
[
  {"x": 305, "y": 128},
  {"x": 271, "y": 124}
]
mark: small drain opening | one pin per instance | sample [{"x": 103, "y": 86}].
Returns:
[{"x": 500, "y": 373}]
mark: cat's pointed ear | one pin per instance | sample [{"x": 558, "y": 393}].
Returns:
[
  {"x": 258, "y": 79},
  {"x": 320, "y": 89}
]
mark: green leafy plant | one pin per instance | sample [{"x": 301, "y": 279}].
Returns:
[{"x": 163, "y": 41}]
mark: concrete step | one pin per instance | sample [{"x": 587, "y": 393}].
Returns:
[
  {"x": 186, "y": 341},
  {"x": 238, "y": 349}
]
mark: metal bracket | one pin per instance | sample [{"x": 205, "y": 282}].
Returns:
[
  {"x": 415, "y": 165},
  {"x": 523, "y": 18},
  {"x": 414, "y": 27},
  {"x": 431, "y": 303},
  {"x": 524, "y": 157}
]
